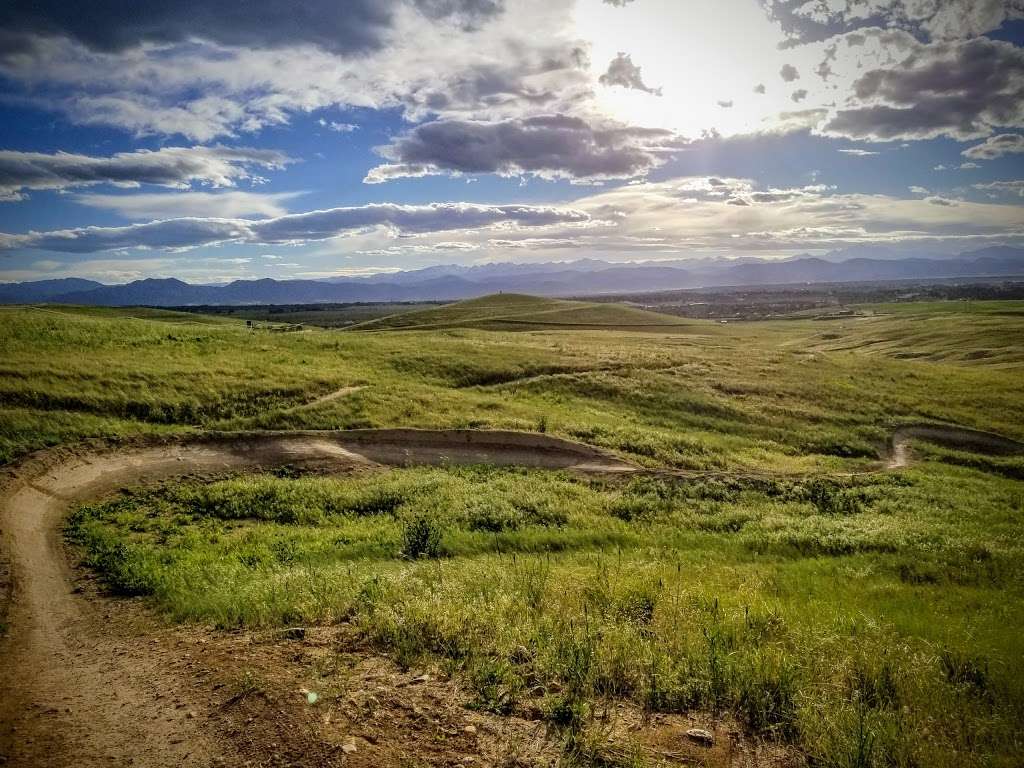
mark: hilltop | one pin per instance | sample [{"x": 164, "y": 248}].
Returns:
[{"x": 513, "y": 311}]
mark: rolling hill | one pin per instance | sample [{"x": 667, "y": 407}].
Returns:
[{"x": 519, "y": 312}]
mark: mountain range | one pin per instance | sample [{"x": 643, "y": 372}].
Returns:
[{"x": 573, "y": 278}]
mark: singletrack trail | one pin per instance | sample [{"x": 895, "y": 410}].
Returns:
[
  {"x": 73, "y": 695},
  {"x": 76, "y": 693}
]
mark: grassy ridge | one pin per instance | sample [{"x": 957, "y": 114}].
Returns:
[
  {"x": 519, "y": 312},
  {"x": 868, "y": 622},
  {"x": 971, "y": 333},
  {"x": 320, "y": 315},
  {"x": 755, "y": 396}
]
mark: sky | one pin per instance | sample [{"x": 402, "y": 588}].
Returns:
[{"x": 213, "y": 141}]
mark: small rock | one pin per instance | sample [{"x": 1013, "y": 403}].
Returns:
[
  {"x": 294, "y": 633},
  {"x": 190, "y": 715},
  {"x": 699, "y": 735},
  {"x": 422, "y": 679},
  {"x": 348, "y": 747},
  {"x": 470, "y": 729}
]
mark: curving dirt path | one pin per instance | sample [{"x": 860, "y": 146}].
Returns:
[
  {"x": 957, "y": 438},
  {"x": 73, "y": 693}
]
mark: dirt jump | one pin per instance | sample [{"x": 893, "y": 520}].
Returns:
[{"x": 76, "y": 692}]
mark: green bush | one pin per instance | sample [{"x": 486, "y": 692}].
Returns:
[{"x": 421, "y": 537}]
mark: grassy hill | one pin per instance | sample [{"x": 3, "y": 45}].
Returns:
[
  {"x": 819, "y": 608},
  {"x": 511, "y": 312},
  {"x": 962, "y": 332},
  {"x": 122, "y": 313}
]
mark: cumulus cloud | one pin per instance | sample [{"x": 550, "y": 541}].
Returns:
[
  {"x": 942, "y": 19},
  {"x": 430, "y": 62},
  {"x": 168, "y": 167},
  {"x": 789, "y": 73},
  {"x": 623, "y": 72},
  {"x": 996, "y": 146},
  {"x": 957, "y": 89},
  {"x": 186, "y": 233},
  {"x": 550, "y": 146},
  {"x": 351, "y": 26}
]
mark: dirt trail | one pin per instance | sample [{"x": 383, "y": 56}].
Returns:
[
  {"x": 329, "y": 397},
  {"x": 957, "y": 438},
  {"x": 75, "y": 693}
]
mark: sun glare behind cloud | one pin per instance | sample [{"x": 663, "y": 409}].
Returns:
[{"x": 702, "y": 62}]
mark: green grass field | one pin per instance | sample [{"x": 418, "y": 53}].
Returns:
[
  {"x": 319, "y": 315},
  {"x": 864, "y": 619}
]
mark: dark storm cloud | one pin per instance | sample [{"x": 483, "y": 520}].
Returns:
[
  {"x": 960, "y": 90},
  {"x": 352, "y": 25},
  {"x": 293, "y": 228},
  {"x": 622, "y": 71},
  {"x": 552, "y": 146},
  {"x": 169, "y": 167}
]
